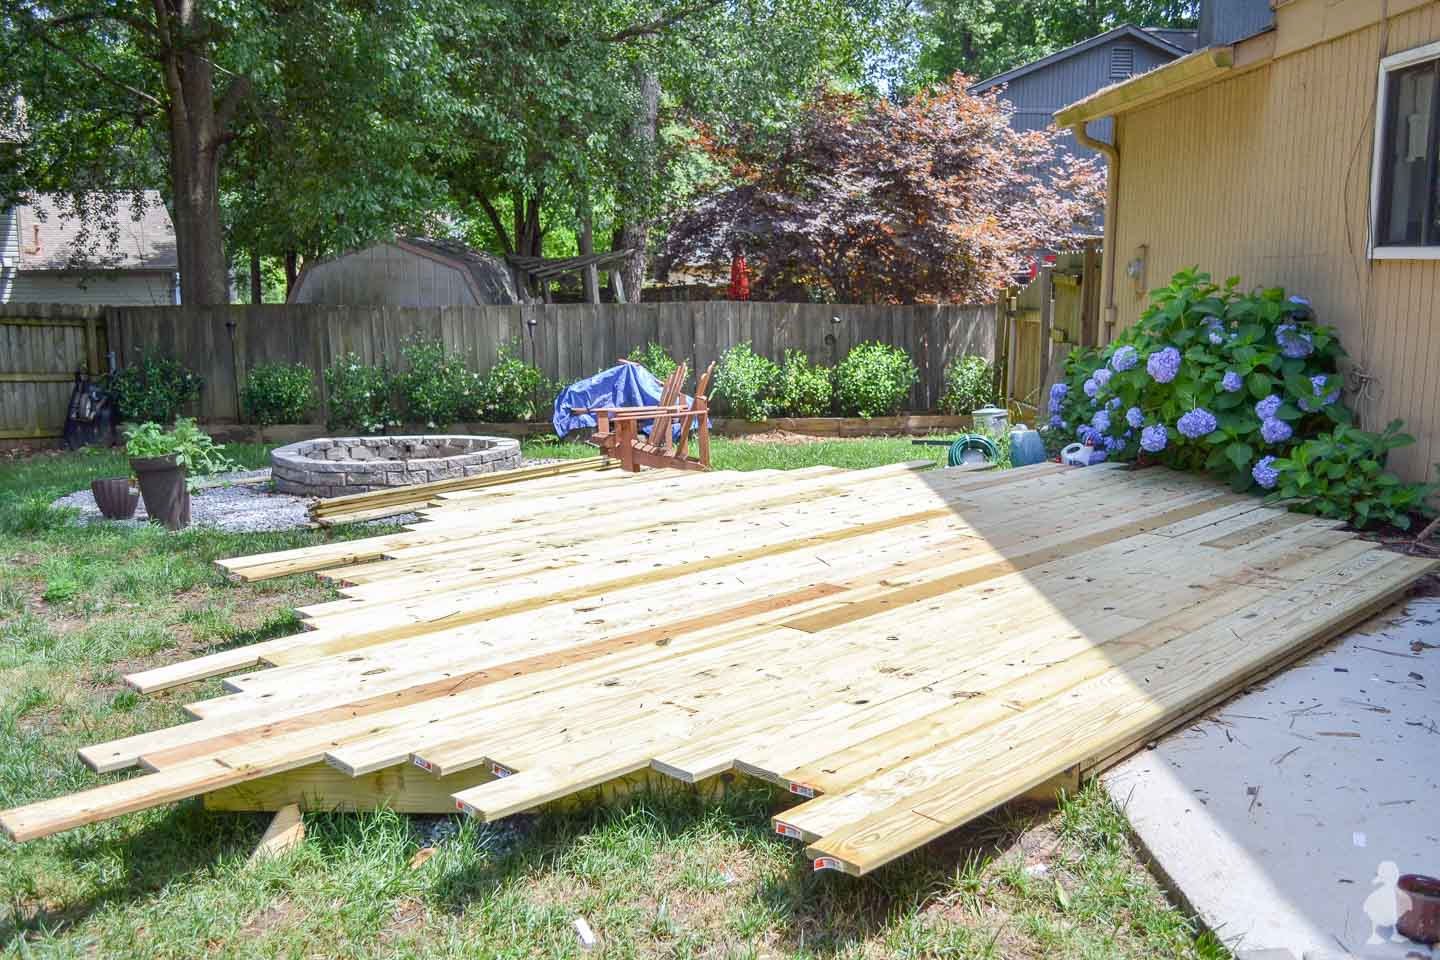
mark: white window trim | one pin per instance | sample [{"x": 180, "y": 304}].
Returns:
[{"x": 1396, "y": 61}]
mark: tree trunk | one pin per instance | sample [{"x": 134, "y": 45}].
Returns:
[
  {"x": 586, "y": 243},
  {"x": 636, "y": 194},
  {"x": 257, "y": 285},
  {"x": 197, "y": 126},
  {"x": 292, "y": 272}
]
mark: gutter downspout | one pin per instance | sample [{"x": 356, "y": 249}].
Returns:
[{"x": 1112, "y": 197}]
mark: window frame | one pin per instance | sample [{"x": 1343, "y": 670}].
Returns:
[{"x": 1389, "y": 65}]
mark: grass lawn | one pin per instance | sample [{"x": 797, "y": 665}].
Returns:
[{"x": 662, "y": 876}]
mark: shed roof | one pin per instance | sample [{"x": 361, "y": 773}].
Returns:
[
  {"x": 1163, "y": 40},
  {"x": 51, "y": 237}
]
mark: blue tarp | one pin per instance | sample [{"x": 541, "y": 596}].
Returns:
[{"x": 625, "y": 385}]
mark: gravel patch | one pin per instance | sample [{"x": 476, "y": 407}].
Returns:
[
  {"x": 241, "y": 501},
  {"x": 221, "y": 502}
]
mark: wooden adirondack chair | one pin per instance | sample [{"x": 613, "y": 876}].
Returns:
[{"x": 617, "y": 431}]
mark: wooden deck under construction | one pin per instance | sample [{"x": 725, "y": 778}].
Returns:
[{"x": 905, "y": 649}]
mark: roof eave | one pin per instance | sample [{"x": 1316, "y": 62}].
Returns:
[
  {"x": 1125, "y": 29},
  {"x": 1191, "y": 72}
]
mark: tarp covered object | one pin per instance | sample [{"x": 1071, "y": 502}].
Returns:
[{"x": 626, "y": 385}]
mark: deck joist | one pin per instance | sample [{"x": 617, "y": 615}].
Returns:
[{"x": 904, "y": 649}]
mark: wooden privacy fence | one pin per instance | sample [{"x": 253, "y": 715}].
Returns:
[
  {"x": 42, "y": 345},
  {"x": 567, "y": 342}
]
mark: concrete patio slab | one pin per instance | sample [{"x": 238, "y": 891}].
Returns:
[{"x": 1280, "y": 816}]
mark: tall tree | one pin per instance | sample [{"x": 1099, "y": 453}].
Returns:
[
  {"x": 937, "y": 199},
  {"x": 981, "y": 38}
]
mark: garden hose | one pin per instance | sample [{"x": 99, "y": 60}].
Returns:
[{"x": 972, "y": 441}]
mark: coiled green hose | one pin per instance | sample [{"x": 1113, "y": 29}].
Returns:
[{"x": 972, "y": 441}]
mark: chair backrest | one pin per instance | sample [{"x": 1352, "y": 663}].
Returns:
[
  {"x": 698, "y": 408},
  {"x": 669, "y": 396}
]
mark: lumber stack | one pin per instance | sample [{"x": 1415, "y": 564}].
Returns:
[
  {"x": 902, "y": 650},
  {"x": 393, "y": 502}
]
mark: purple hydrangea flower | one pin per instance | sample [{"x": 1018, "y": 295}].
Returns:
[
  {"x": 1124, "y": 358},
  {"x": 1101, "y": 421},
  {"x": 1197, "y": 423},
  {"x": 1154, "y": 438},
  {"x": 1084, "y": 432},
  {"x": 1294, "y": 342},
  {"x": 1164, "y": 365},
  {"x": 1055, "y": 421},
  {"x": 1267, "y": 408},
  {"x": 1113, "y": 444},
  {"x": 1275, "y": 431},
  {"x": 1057, "y": 396},
  {"x": 1135, "y": 417},
  {"x": 1114, "y": 403},
  {"x": 1099, "y": 456},
  {"x": 1264, "y": 474},
  {"x": 1317, "y": 387},
  {"x": 1091, "y": 388},
  {"x": 1230, "y": 382},
  {"x": 1102, "y": 376}
]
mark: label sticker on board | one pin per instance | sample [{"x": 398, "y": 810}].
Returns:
[
  {"x": 827, "y": 863},
  {"x": 804, "y": 790},
  {"x": 785, "y": 830},
  {"x": 422, "y": 763},
  {"x": 500, "y": 771}
]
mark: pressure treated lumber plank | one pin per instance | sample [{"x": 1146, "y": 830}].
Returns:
[
  {"x": 286, "y": 830},
  {"x": 307, "y": 559},
  {"x": 852, "y": 674},
  {"x": 737, "y": 615},
  {"x": 1058, "y": 621},
  {"x": 1010, "y": 757},
  {"x": 714, "y": 589}
]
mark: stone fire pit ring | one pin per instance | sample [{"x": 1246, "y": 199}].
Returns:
[{"x": 338, "y": 466}]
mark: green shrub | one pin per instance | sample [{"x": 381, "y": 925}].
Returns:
[
  {"x": 154, "y": 388},
  {"x": 436, "y": 388},
  {"x": 193, "y": 448},
  {"x": 654, "y": 358},
  {"x": 969, "y": 385},
  {"x": 278, "y": 393},
  {"x": 361, "y": 396},
  {"x": 873, "y": 380},
  {"x": 1342, "y": 474},
  {"x": 512, "y": 390},
  {"x": 747, "y": 382},
  {"x": 805, "y": 389},
  {"x": 1231, "y": 382}
]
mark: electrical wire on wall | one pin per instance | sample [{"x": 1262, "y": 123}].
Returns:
[{"x": 1359, "y": 381}]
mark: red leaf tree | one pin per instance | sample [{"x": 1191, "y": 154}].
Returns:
[{"x": 933, "y": 200}]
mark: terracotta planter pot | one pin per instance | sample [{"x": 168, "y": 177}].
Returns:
[
  {"x": 1419, "y": 898},
  {"x": 162, "y": 484},
  {"x": 115, "y": 498}
]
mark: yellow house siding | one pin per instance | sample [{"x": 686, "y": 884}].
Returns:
[{"x": 1267, "y": 175}]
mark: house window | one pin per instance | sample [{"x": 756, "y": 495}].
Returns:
[
  {"x": 1122, "y": 62},
  {"x": 1405, "y": 206}
]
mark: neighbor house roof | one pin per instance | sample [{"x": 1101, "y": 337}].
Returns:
[
  {"x": 1163, "y": 40},
  {"x": 51, "y": 237},
  {"x": 1190, "y": 72}
]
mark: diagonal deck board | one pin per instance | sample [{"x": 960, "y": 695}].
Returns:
[{"x": 911, "y": 648}]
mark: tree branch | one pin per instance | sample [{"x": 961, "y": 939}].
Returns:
[
  {"x": 97, "y": 71},
  {"x": 650, "y": 28},
  {"x": 235, "y": 94},
  {"x": 496, "y": 222}
]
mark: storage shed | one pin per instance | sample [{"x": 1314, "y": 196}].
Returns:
[{"x": 409, "y": 272}]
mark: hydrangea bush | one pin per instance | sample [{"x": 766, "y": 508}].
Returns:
[{"x": 1213, "y": 378}]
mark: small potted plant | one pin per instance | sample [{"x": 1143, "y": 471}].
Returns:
[
  {"x": 115, "y": 497},
  {"x": 162, "y": 460}
]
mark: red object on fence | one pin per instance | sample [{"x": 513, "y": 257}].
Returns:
[{"x": 739, "y": 279}]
